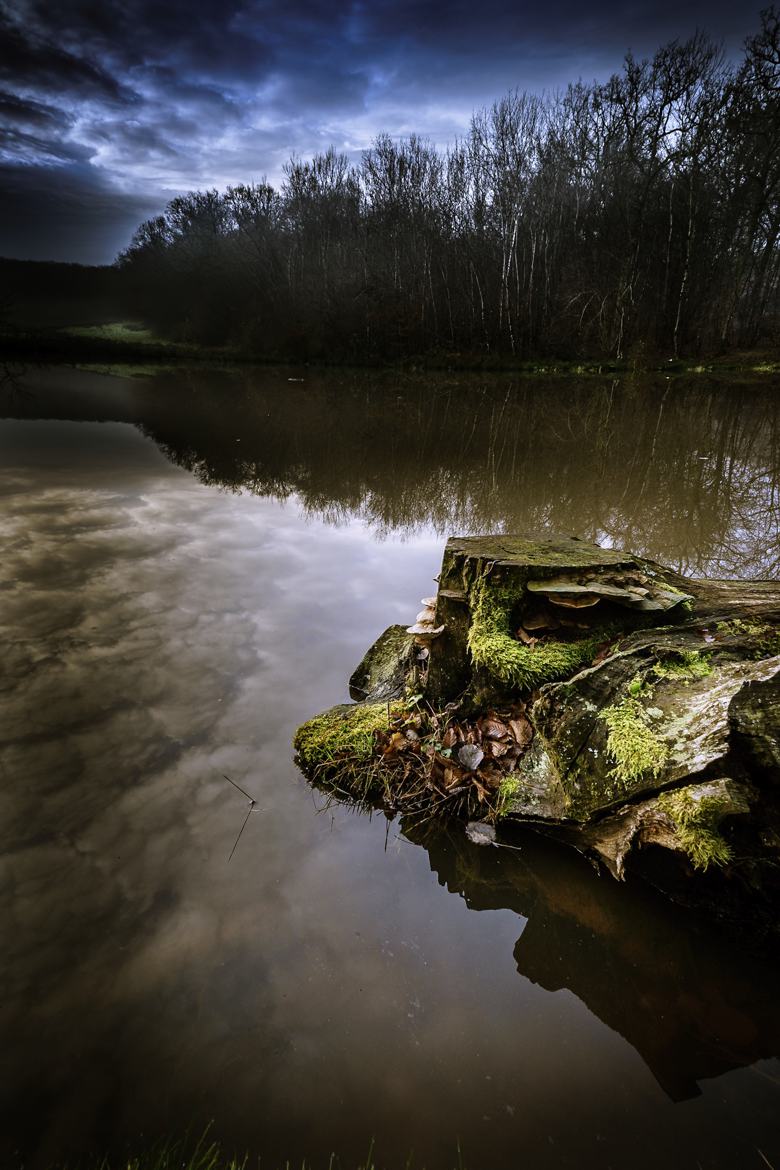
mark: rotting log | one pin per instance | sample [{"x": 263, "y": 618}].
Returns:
[{"x": 610, "y": 702}]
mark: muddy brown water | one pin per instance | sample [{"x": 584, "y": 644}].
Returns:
[{"x": 192, "y": 564}]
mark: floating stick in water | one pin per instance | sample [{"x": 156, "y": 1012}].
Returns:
[
  {"x": 240, "y": 789},
  {"x": 250, "y": 810},
  {"x": 240, "y": 831}
]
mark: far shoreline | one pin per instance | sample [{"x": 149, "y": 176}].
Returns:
[{"x": 130, "y": 343}]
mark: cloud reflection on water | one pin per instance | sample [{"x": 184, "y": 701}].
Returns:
[{"x": 318, "y": 989}]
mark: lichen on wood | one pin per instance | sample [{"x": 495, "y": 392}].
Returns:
[{"x": 381, "y": 674}]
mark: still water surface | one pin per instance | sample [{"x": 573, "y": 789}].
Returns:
[{"x": 192, "y": 565}]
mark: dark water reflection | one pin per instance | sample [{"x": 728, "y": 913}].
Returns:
[
  {"x": 688, "y": 1003},
  {"x": 684, "y": 470},
  {"x": 326, "y": 987}
]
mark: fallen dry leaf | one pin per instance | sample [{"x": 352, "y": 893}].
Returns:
[
  {"x": 494, "y": 749},
  {"x": 493, "y": 728},
  {"x": 396, "y": 743},
  {"x": 452, "y": 775},
  {"x": 521, "y": 730}
]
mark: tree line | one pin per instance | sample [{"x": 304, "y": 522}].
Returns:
[{"x": 638, "y": 216}]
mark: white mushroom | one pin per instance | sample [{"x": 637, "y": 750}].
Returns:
[
  {"x": 424, "y": 631},
  {"x": 426, "y": 615}
]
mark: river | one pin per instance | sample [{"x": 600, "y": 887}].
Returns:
[{"x": 193, "y": 563}]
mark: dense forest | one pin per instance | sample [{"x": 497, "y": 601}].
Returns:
[{"x": 634, "y": 217}]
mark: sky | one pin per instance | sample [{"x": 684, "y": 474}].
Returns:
[{"x": 109, "y": 108}]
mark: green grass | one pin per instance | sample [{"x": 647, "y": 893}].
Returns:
[
  {"x": 126, "y": 369},
  {"x": 173, "y": 1157},
  {"x": 112, "y": 344},
  {"x": 208, "y": 1155},
  {"x": 121, "y": 331},
  {"x": 37, "y": 334}
]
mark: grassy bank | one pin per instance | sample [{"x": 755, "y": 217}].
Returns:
[
  {"x": 131, "y": 343},
  {"x": 114, "y": 343}
]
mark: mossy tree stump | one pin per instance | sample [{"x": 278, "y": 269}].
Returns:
[
  {"x": 489, "y": 584},
  {"x": 645, "y": 707}
]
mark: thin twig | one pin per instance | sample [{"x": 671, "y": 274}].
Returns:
[
  {"x": 240, "y": 789},
  {"x": 240, "y": 831}
]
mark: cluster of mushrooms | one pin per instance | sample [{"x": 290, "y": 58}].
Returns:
[
  {"x": 425, "y": 629},
  {"x": 633, "y": 590}
]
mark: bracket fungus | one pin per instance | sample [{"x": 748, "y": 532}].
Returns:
[
  {"x": 631, "y": 590},
  {"x": 425, "y": 629}
]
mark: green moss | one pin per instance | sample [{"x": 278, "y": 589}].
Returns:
[
  {"x": 632, "y": 743},
  {"x": 339, "y": 744},
  {"x": 768, "y": 642},
  {"x": 696, "y": 819},
  {"x": 551, "y": 555},
  {"x": 493, "y": 647},
  {"x": 508, "y": 789},
  {"x": 765, "y": 635},
  {"x": 684, "y": 665}
]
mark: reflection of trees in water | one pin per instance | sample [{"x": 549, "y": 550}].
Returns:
[
  {"x": 693, "y": 1004},
  {"x": 685, "y": 471}
]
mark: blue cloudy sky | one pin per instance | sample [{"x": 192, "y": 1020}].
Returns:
[{"x": 108, "y": 108}]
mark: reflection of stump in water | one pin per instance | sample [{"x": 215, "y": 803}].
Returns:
[
  {"x": 631, "y": 712},
  {"x": 691, "y": 1003}
]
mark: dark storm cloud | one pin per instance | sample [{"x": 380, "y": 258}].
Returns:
[
  {"x": 66, "y": 213},
  {"x": 16, "y": 145},
  {"x": 33, "y": 62},
  {"x": 133, "y": 101},
  {"x": 204, "y": 37},
  {"x": 26, "y": 114}
]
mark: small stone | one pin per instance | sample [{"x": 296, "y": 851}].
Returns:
[
  {"x": 471, "y": 756},
  {"x": 480, "y": 833}
]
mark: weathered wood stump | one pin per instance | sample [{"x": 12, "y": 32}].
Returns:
[
  {"x": 560, "y": 596},
  {"x": 629, "y": 711}
]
